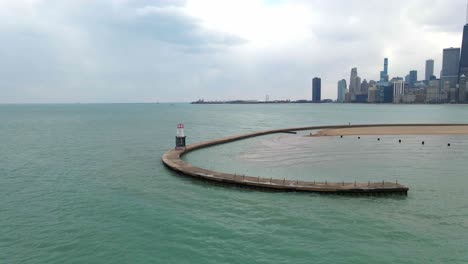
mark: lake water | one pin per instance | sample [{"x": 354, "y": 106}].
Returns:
[{"x": 84, "y": 184}]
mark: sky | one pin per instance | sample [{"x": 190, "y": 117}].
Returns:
[{"x": 119, "y": 51}]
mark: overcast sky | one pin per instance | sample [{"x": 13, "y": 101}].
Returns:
[{"x": 177, "y": 51}]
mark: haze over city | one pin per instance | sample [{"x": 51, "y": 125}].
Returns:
[{"x": 180, "y": 51}]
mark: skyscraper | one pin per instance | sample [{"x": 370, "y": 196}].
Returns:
[
  {"x": 385, "y": 92},
  {"x": 463, "y": 67},
  {"x": 433, "y": 92},
  {"x": 316, "y": 90},
  {"x": 429, "y": 70},
  {"x": 386, "y": 66},
  {"x": 352, "y": 82},
  {"x": 364, "y": 87},
  {"x": 413, "y": 78},
  {"x": 450, "y": 66},
  {"x": 384, "y": 74},
  {"x": 462, "y": 89},
  {"x": 357, "y": 85},
  {"x": 398, "y": 91},
  {"x": 341, "y": 91}
]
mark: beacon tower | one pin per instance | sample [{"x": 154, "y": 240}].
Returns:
[{"x": 180, "y": 137}]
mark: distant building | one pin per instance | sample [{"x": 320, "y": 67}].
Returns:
[
  {"x": 385, "y": 92},
  {"x": 357, "y": 84},
  {"x": 384, "y": 73},
  {"x": 413, "y": 78},
  {"x": 348, "y": 97},
  {"x": 463, "y": 66},
  {"x": 453, "y": 95},
  {"x": 433, "y": 92},
  {"x": 420, "y": 97},
  {"x": 450, "y": 66},
  {"x": 342, "y": 89},
  {"x": 372, "y": 94},
  {"x": 316, "y": 90},
  {"x": 354, "y": 85},
  {"x": 462, "y": 92},
  {"x": 444, "y": 91},
  {"x": 443, "y": 97},
  {"x": 361, "y": 98},
  {"x": 398, "y": 91},
  {"x": 420, "y": 85},
  {"x": 409, "y": 98},
  {"x": 364, "y": 87},
  {"x": 396, "y": 79},
  {"x": 429, "y": 70}
]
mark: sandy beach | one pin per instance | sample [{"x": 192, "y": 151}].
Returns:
[{"x": 396, "y": 130}]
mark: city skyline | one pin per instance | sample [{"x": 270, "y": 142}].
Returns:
[
  {"x": 180, "y": 51},
  {"x": 450, "y": 87}
]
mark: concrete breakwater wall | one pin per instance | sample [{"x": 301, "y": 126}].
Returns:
[{"x": 172, "y": 159}]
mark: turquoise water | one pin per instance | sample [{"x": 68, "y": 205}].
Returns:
[{"x": 84, "y": 184}]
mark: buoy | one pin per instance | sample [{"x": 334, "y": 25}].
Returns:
[
  {"x": 448, "y": 145},
  {"x": 422, "y": 143}
]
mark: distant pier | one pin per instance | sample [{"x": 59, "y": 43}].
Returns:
[{"x": 172, "y": 159}]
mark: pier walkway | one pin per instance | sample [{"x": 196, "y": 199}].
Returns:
[{"x": 172, "y": 159}]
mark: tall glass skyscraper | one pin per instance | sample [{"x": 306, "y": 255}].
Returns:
[
  {"x": 450, "y": 67},
  {"x": 341, "y": 91},
  {"x": 463, "y": 67},
  {"x": 413, "y": 77},
  {"x": 384, "y": 74},
  {"x": 352, "y": 81},
  {"x": 316, "y": 90}
]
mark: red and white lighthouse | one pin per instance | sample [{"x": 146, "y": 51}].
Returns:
[{"x": 180, "y": 137}]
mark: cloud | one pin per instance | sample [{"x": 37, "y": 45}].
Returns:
[
  {"x": 101, "y": 51},
  {"x": 143, "y": 50}
]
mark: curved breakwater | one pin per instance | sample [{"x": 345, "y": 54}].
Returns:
[{"x": 172, "y": 159}]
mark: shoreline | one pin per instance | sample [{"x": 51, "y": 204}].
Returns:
[{"x": 393, "y": 130}]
